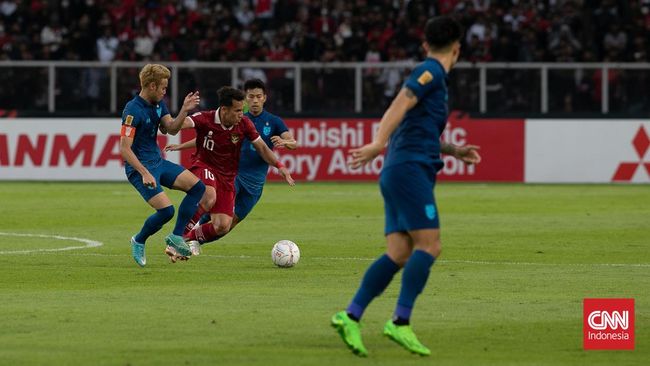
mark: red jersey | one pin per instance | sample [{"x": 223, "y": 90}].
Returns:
[{"x": 219, "y": 147}]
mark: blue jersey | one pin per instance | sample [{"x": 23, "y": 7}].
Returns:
[
  {"x": 417, "y": 138},
  {"x": 144, "y": 117},
  {"x": 252, "y": 168}
]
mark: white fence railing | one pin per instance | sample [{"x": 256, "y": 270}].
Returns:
[{"x": 346, "y": 87}]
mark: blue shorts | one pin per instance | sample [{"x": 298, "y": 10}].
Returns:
[
  {"x": 409, "y": 203},
  {"x": 244, "y": 200},
  {"x": 165, "y": 175}
]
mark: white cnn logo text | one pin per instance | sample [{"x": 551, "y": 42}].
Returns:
[{"x": 600, "y": 320}]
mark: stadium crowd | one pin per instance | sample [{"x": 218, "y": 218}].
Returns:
[
  {"x": 340, "y": 30},
  {"x": 336, "y": 30}
]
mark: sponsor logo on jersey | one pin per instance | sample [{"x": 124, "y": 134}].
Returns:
[{"x": 425, "y": 78}]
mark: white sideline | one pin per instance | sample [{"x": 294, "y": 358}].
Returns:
[{"x": 89, "y": 243}]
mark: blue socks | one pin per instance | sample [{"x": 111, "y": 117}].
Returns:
[
  {"x": 414, "y": 278},
  {"x": 154, "y": 223},
  {"x": 188, "y": 207},
  {"x": 374, "y": 282}
]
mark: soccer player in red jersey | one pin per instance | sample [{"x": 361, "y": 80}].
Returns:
[{"x": 219, "y": 136}]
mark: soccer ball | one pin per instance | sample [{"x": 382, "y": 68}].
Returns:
[{"x": 285, "y": 253}]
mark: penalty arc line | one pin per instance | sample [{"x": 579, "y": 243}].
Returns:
[{"x": 88, "y": 243}]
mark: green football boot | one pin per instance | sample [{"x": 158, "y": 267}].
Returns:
[
  {"x": 137, "y": 251},
  {"x": 349, "y": 331},
  {"x": 177, "y": 242},
  {"x": 404, "y": 336}
]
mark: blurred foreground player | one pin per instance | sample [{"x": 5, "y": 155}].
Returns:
[{"x": 412, "y": 127}]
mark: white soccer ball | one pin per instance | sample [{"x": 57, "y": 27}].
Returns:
[{"x": 285, "y": 253}]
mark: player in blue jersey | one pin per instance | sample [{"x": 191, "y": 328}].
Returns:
[
  {"x": 252, "y": 168},
  {"x": 145, "y": 168},
  {"x": 412, "y": 127},
  {"x": 252, "y": 172}
]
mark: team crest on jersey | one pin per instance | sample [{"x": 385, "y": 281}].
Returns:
[
  {"x": 234, "y": 138},
  {"x": 128, "y": 120},
  {"x": 425, "y": 78},
  {"x": 266, "y": 130}
]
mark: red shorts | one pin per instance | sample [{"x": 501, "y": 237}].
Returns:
[{"x": 224, "y": 187}]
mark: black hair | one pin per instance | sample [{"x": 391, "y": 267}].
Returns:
[
  {"x": 227, "y": 94},
  {"x": 254, "y": 84},
  {"x": 440, "y": 32}
]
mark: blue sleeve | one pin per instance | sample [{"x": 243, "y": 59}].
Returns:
[
  {"x": 422, "y": 80},
  {"x": 131, "y": 117},
  {"x": 163, "y": 108},
  {"x": 280, "y": 127}
]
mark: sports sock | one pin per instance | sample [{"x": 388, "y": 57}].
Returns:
[
  {"x": 202, "y": 234},
  {"x": 414, "y": 278},
  {"x": 198, "y": 215},
  {"x": 374, "y": 282},
  {"x": 154, "y": 223},
  {"x": 188, "y": 207}
]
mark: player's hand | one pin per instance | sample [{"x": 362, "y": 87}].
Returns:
[
  {"x": 191, "y": 101},
  {"x": 468, "y": 154},
  {"x": 364, "y": 154},
  {"x": 277, "y": 141},
  {"x": 149, "y": 181},
  {"x": 173, "y": 147},
  {"x": 287, "y": 176}
]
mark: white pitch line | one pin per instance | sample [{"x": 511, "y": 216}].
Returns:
[
  {"x": 89, "y": 243},
  {"x": 367, "y": 259}
]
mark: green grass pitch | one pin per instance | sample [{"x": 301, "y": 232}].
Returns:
[{"x": 517, "y": 262}]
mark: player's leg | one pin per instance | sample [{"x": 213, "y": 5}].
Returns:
[
  {"x": 194, "y": 189},
  {"x": 209, "y": 196},
  {"x": 221, "y": 218},
  {"x": 177, "y": 177},
  {"x": 377, "y": 277},
  {"x": 418, "y": 214},
  {"x": 380, "y": 273},
  {"x": 207, "y": 201},
  {"x": 159, "y": 201},
  {"x": 244, "y": 203},
  {"x": 427, "y": 248}
]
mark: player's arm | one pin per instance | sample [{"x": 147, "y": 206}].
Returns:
[
  {"x": 468, "y": 153},
  {"x": 285, "y": 140},
  {"x": 403, "y": 102},
  {"x": 126, "y": 141},
  {"x": 270, "y": 158},
  {"x": 173, "y": 125},
  {"x": 184, "y": 146}
]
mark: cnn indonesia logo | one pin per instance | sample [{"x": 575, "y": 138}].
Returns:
[{"x": 608, "y": 324}]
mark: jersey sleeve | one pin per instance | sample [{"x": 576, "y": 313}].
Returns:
[
  {"x": 131, "y": 120},
  {"x": 197, "y": 118},
  {"x": 164, "y": 109},
  {"x": 249, "y": 130},
  {"x": 280, "y": 127},
  {"x": 422, "y": 80}
]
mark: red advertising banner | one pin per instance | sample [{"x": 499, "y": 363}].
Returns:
[{"x": 324, "y": 144}]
